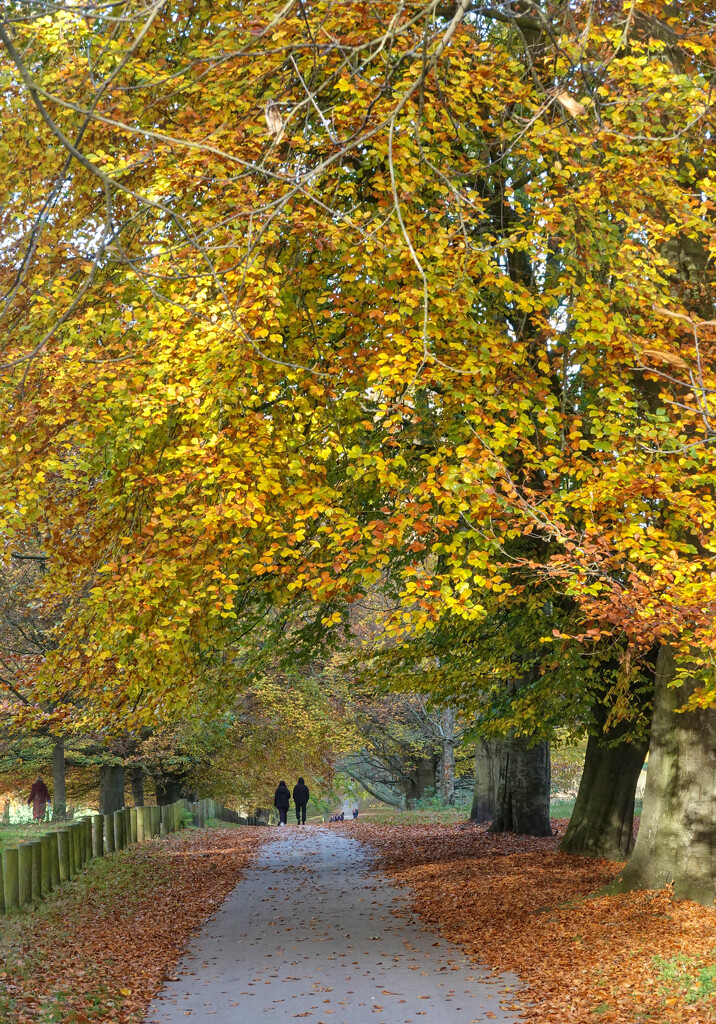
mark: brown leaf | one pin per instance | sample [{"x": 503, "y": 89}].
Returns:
[
  {"x": 664, "y": 357},
  {"x": 574, "y": 107},
  {"x": 274, "y": 121}
]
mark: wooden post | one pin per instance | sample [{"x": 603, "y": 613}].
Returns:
[
  {"x": 36, "y": 854},
  {"x": 76, "y": 848},
  {"x": 10, "y": 878},
  {"x": 164, "y": 820},
  {"x": 89, "y": 848},
  {"x": 54, "y": 860},
  {"x": 140, "y": 824},
  {"x": 64, "y": 850},
  {"x": 108, "y": 832},
  {"x": 146, "y": 829},
  {"x": 97, "y": 835},
  {"x": 71, "y": 847},
  {"x": 156, "y": 820},
  {"x": 119, "y": 840},
  {"x": 45, "y": 857},
  {"x": 24, "y": 857},
  {"x": 133, "y": 824},
  {"x": 127, "y": 826},
  {"x": 81, "y": 851}
]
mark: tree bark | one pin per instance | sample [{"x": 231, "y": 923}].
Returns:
[
  {"x": 524, "y": 788},
  {"x": 677, "y": 833},
  {"x": 111, "y": 788},
  {"x": 602, "y": 822},
  {"x": 168, "y": 789},
  {"x": 59, "y": 780},
  {"x": 487, "y": 777},
  {"x": 422, "y": 780},
  {"x": 447, "y": 762},
  {"x": 136, "y": 775}
]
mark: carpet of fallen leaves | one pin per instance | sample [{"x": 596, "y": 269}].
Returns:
[
  {"x": 516, "y": 904},
  {"x": 99, "y": 949}
]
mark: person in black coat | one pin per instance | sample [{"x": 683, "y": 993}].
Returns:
[
  {"x": 281, "y": 800},
  {"x": 300, "y": 798}
]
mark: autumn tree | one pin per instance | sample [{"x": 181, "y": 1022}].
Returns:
[{"x": 280, "y": 315}]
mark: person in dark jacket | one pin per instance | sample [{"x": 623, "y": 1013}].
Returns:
[
  {"x": 39, "y": 798},
  {"x": 281, "y": 800},
  {"x": 300, "y": 798}
]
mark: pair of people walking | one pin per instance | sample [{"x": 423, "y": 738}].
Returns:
[{"x": 282, "y": 801}]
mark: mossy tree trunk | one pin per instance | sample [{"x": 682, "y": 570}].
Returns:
[
  {"x": 447, "y": 760},
  {"x": 602, "y": 823},
  {"x": 136, "y": 776},
  {"x": 487, "y": 777},
  {"x": 524, "y": 788},
  {"x": 168, "y": 789},
  {"x": 111, "y": 788},
  {"x": 422, "y": 780},
  {"x": 677, "y": 834},
  {"x": 59, "y": 780}
]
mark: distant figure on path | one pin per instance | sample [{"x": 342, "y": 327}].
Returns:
[
  {"x": 300, "y": 798},
  {"x": 39, "y": 798},
  {"x": 355, "y": 813},
  {"x": 281, "y": 800}
]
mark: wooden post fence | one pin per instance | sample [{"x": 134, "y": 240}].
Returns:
[{"x": 33, "y": 869}]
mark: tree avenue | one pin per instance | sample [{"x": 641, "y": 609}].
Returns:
[{"x": 303, "y": 302}]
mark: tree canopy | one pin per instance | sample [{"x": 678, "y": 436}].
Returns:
[{"x": 297, "y": 304}]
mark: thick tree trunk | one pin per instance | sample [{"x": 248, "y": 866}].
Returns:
[
  {"x": 59, "y": 781},
  {"x": 168, "y": 789},
  {"x": 524, "y": 788},
  {"x": 422, "y": 780},
  {"x": 487, "y": 777},
  {"x": 136, "y": 775},
  {"x": 111, "y": 788},
  {"x": 677, "y": 833},
  {"x": 447, "y": 762},
  {"x": 602, "y": 822}
]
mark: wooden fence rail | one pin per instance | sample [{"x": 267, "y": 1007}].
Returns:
[{"x": 34, "y": 868}]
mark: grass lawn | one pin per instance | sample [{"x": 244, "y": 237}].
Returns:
[
  {"x": 559, "y": 809},
  {"x": 11, "y": 835}
]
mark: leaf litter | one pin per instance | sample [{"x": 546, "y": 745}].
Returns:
[
  {"x": 99, "y": 949},
  {"x": 514, "y": 903}
]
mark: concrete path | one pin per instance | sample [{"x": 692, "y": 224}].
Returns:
[{"x": 308, "y": 933}]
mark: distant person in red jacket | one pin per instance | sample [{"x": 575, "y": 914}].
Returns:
[{"x": 39, "y": 798}]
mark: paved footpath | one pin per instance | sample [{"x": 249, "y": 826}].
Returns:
[{"x": 310, "y": 933}]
